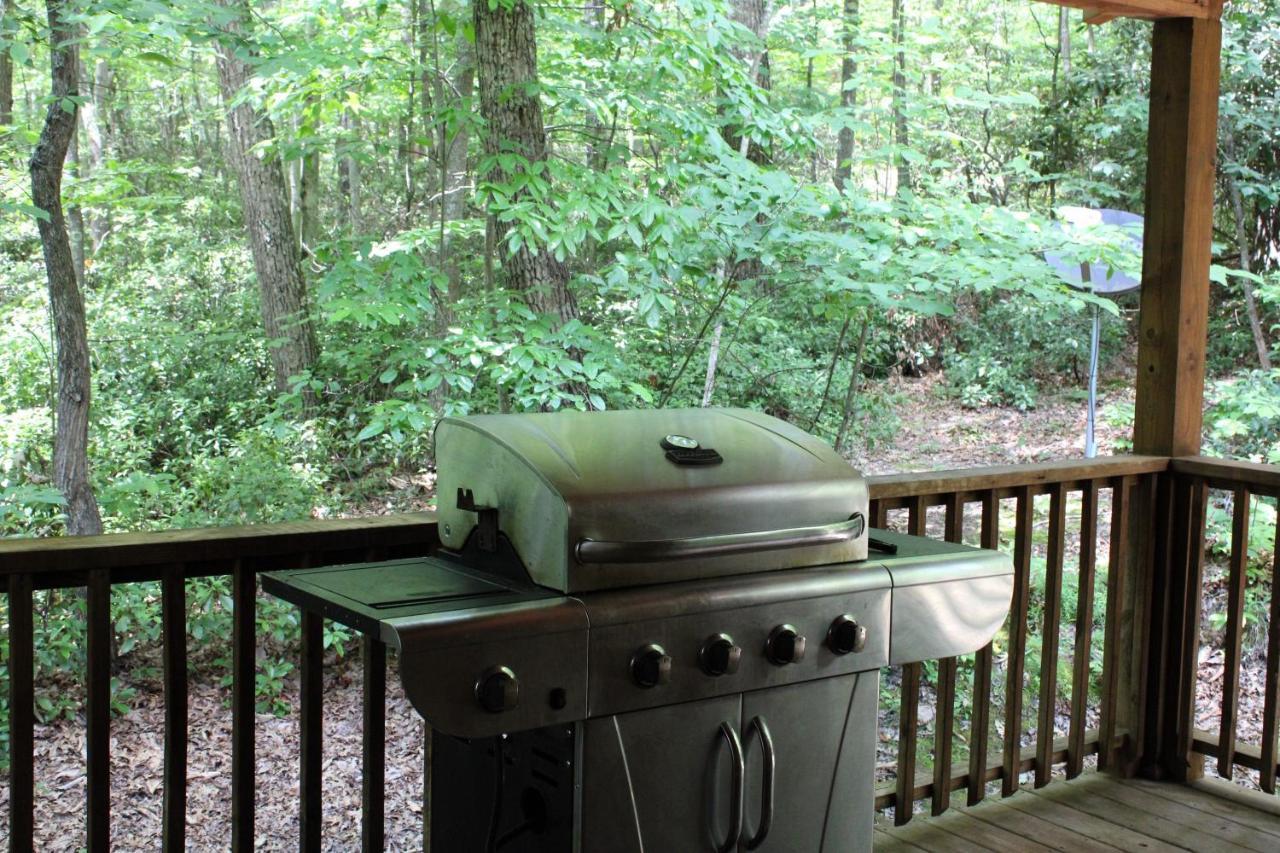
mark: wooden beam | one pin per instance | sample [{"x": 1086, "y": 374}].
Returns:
[
  {"x": 1173, "y": 320},
  {"x": 1101, "y": 11},
  {"x": 1181, "y": 150}
]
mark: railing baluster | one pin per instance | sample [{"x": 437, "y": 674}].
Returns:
[
  {"x": 173, "y": 610},
  {"x": 98, "y": 712},
  {"x": 908, "y": 725},
  {"x": 311, "y": 730},
  {"x": 1235, "y": 623},
  {"x": 1271, "y": 701},
  {"x": 981, "y": 720},
  {"x": 373, "y": 800},
  {"x": 1017, "y": 641},
  {"x": 944, "y": 725},
  {"x": 1121, "y": 499},
  {"x": 917, "y": 516},
  {"x": 1083, "y": 628},
  {"x": 1051, "y": 635},
  {"x": 244, "y": 590},
  {"x": 21, "y": 714},
  {"x": 943, "y": 735}
]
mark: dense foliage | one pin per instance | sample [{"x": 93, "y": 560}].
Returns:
[{"x": 691, "y": 189}]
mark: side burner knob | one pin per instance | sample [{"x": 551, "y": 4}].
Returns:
[
  {"x": 719, "y": 655},
  {"x": 846, "y": 635},
  {"x": 498, "y": 690},
  {"x": 785, "y": 645},
  {"x": 651, "y": 666}
]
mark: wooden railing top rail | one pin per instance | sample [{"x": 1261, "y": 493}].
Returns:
[
  {"x": 77, "y": 554},
  {"x": 69, "y": 554},
  {"x": 969, "y": 480},
  {"x": 1258, "y": 478}
]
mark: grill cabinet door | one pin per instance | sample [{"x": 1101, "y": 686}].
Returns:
[
  {"x": 658, "y": 781},
  {"x": 824, "y": 738}
]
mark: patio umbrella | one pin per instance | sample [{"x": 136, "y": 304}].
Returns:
[{"x": 1098, "y": 278}]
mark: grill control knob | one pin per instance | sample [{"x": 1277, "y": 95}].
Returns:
[
  {"x": 785, "y": 645},
  {"x": 719, "y": 655},
  {"x": 846, "y": 635},
  {"x": 498, "y": 690},
  {"x": 651, "y": 666}
]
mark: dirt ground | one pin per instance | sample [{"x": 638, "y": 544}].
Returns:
[{"x": 934, "y": 434}]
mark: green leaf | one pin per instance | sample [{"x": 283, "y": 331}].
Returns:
[{"x": 375, "y": 428}]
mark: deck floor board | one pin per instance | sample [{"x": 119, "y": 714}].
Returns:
[{"x": 1093, "y": 813}]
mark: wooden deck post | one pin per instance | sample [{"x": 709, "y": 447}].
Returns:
[{"x": 1163, "y": 631}]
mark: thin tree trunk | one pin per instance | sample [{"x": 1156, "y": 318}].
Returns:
[
  {"x": 808, "y": 89},
  {"x": 849, "y": 24},
  {"x": 453, "y": 204},
  {"x": 66, "y": 302},
  {"x": 900, "y": 136},
  {"x": 1064, "y": 40},
  {"x": 593, "y": 18},
  {"x": 1242, "y": 247},
  {"x": 75, "y": 217},
  {"x": 91, "y": 113},
  {"x": 709, "y": 387},
  {"x": 507, "y": 66},
  {"x": 349, "y": 173},
  {"x": 7, "y": 25},
  {"x": 851, "y": 393},
  {"x": 831, "y": 373},
  {"x": 265, "y": 202},
  {"x": 756, "y": 16},
  {"x": 935, "y": 76}
]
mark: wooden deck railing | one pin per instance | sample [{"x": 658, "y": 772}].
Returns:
[
  {"x": 1113, "y": 478},
  {"x": 99, "y": 562},
  {"x": 1195, "y": 477},
  {"x": 970, "y": 502}
]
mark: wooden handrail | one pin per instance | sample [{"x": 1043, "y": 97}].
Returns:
[
  {"x": 1258, "y": 478},
  {"x": 74, "y": 554},
  {"x": 972, "y": 481}
]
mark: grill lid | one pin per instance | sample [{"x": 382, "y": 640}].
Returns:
[{"x": 593, "y": 500}]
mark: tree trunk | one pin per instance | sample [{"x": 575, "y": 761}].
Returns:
[
  {"x": 851, "y": 393},
  {"x": 756, "y": 16},
  {"x": 91, "y": 113},
  {"x": 1064, "y": 40},
  {"x": 900, "y": 137},
  {"x": 831, "y": 372},
  {"x": 309, "y": 202},
  {"x": 7, "y": 25},
  {"x": 66, "y": 303},
  {"x": 75, "y": 217},
  {"x": 1242, "y": 247},
  {"x": 849, "y": 25},
  {"x": 265, "y": 202},
  {"x": 349, "y": 174},
  {"x": 709, "y": 387},
  {"x": 453, "y": 203},
  {"x": 507, "y": 66}
]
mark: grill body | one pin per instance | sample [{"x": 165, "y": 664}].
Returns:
[{"x": 655, "y": 631}]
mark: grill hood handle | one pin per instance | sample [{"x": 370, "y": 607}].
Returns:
[{"x": 590, "y": 551}]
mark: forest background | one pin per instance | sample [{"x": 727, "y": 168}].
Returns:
[{"x": 285, "y": 238}]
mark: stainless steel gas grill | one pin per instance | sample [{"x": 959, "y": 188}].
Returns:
[{"x": 655, "y": 631}]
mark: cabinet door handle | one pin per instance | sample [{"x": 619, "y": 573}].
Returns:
[
  {"x": 760, "y": 727},
  {"x": 737, "y": 772}
]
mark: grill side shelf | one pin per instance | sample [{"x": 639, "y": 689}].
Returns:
[{"x": 364, "y": 596}]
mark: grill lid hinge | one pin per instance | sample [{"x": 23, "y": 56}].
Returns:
[{"x": 486, "y": 520}]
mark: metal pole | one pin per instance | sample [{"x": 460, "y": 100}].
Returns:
[{"x": 1090, "y": 447}]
